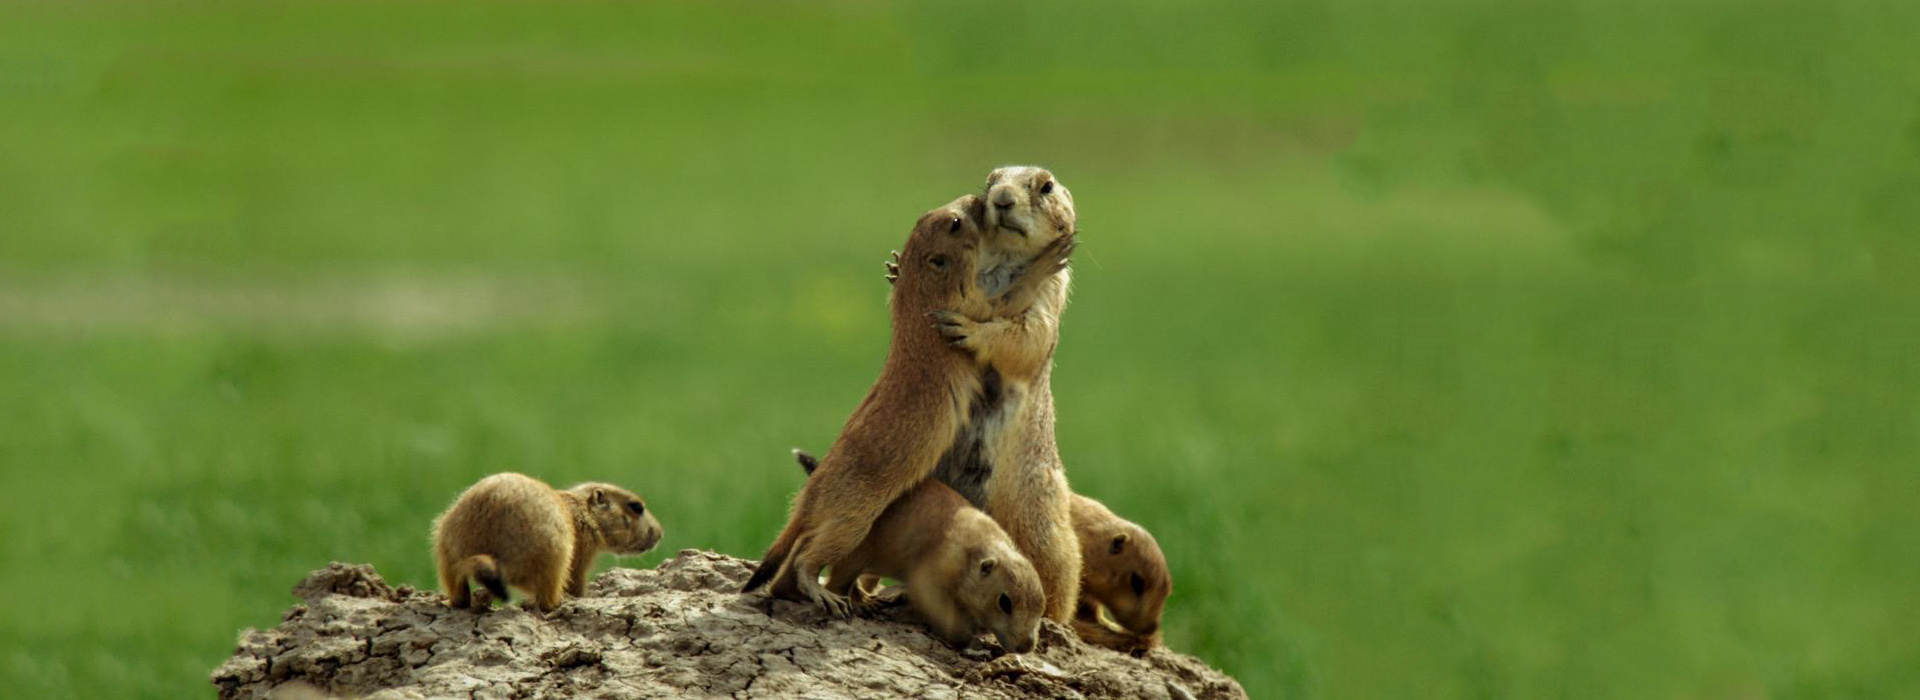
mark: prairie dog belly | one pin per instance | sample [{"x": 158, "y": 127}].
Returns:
[{"x": 988, "y": 441}]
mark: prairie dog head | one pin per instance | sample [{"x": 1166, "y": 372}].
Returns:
[
  {"x": 624, "y": 521},
  {"x": 943, "y": 251},
  {"x": 1127, "y": 572},
  {"x": 1000, "y": 590},
  {"x": 1027, "y": 208}
]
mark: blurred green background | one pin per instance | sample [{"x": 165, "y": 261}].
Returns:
[{"x": 1451, "y": 349}]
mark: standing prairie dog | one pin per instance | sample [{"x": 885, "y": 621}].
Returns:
[
  {"x": 912, "y": 413},
  {"x": 512, "y": 530},
  {"x": 1123, "y": 572},
  {"x": 1005, "y": 459},
  {"x": 960, "y": 570},
  {"x": 1029, "y": 210}
]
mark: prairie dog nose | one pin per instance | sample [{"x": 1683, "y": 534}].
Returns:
[{"x": 1002, "y": 196}]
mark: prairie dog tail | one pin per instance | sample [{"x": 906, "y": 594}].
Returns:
[
  {"x": 774, "y": 561},
  {"x": 777, "y": 555},
  {"x": 482, "y": 568}
]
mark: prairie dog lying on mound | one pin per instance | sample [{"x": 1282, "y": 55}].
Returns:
[
  {"x": 960, "y": 570},
  {"x": 512, "y": 530},
  {"x": 1124, "y": 573}
]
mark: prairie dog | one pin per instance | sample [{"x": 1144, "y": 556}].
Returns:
[
  {"x": 912, "y": 413},
  {"x": 1005, "y": 459},
  {"x": 1123, "y": 572},
  {"x": 1029, "y": 210},
  {"x": 512, "y": 530},
  {"x": 960, "y": 570}
]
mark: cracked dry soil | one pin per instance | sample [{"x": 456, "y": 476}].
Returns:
[{"x": 679, "y": 630}]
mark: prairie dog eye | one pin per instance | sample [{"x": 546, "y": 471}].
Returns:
[
  {"x": 954, "y": 225},
  {"x": 637, "y": 508},
  {"x": 1006, "y": 604},
  {"x": 939, "y": 262},
  {"x": 1139, "y": 584},
  {"x": 1046, "y": 187}
]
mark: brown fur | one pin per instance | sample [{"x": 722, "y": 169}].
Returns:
[
  {"x": 955, "y": 564},
  {"x": 1006, "y": 460},
  {"x": 960, "y": 570},
  {"x": 913, "y": 412},
  {"x": 512, "y": 530},
  {"x": 870, "y": 583},
  {"x": 1123, "y": 573}
]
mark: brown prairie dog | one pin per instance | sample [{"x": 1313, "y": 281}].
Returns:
[
  {"x": 1005, "y": 460},
  {"x": 1029, "y": 211},
  {"x": 911, "y": 414},
  {"x": 512, "y": 530},
  {"x": 1123, "y": 572},
  {"x": 960, "y": 570}
]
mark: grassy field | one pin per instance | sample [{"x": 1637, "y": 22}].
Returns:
[{"x": 1457, "y": 349}]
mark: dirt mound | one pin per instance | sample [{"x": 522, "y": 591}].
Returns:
[{"x": 678, "y": 630}]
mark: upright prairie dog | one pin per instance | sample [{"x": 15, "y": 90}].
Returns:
[
  {"x": 916, "y": 408},
  {"x": 1029, "y": 210},
  {"x": 960, "y": 570},
  {"x": 514, "y": 530},
  {"x": 1123, "y": 572},
  {"x": 1005, "y": 459}
]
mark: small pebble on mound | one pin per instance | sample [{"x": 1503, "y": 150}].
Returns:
[{"x": 680, "y": 630}]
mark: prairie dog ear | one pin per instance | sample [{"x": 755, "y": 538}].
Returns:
[
  {"x": 1119, "y": 544},
  {"x": 598, "y": 497},
  {"x": 977, "y": 209},
  {"x": 986, "y": 566}
]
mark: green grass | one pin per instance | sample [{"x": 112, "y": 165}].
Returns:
[{"x": 1458, "y": 349}]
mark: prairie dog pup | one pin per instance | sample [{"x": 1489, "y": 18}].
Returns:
[
  {"x": 1122, "y": 571},
  {"x": 960, "y": 570},
  {"x": 512, "y": 530},
  {"x": 915, "y": 409},
  {"x": 1005, "y": 460}
]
